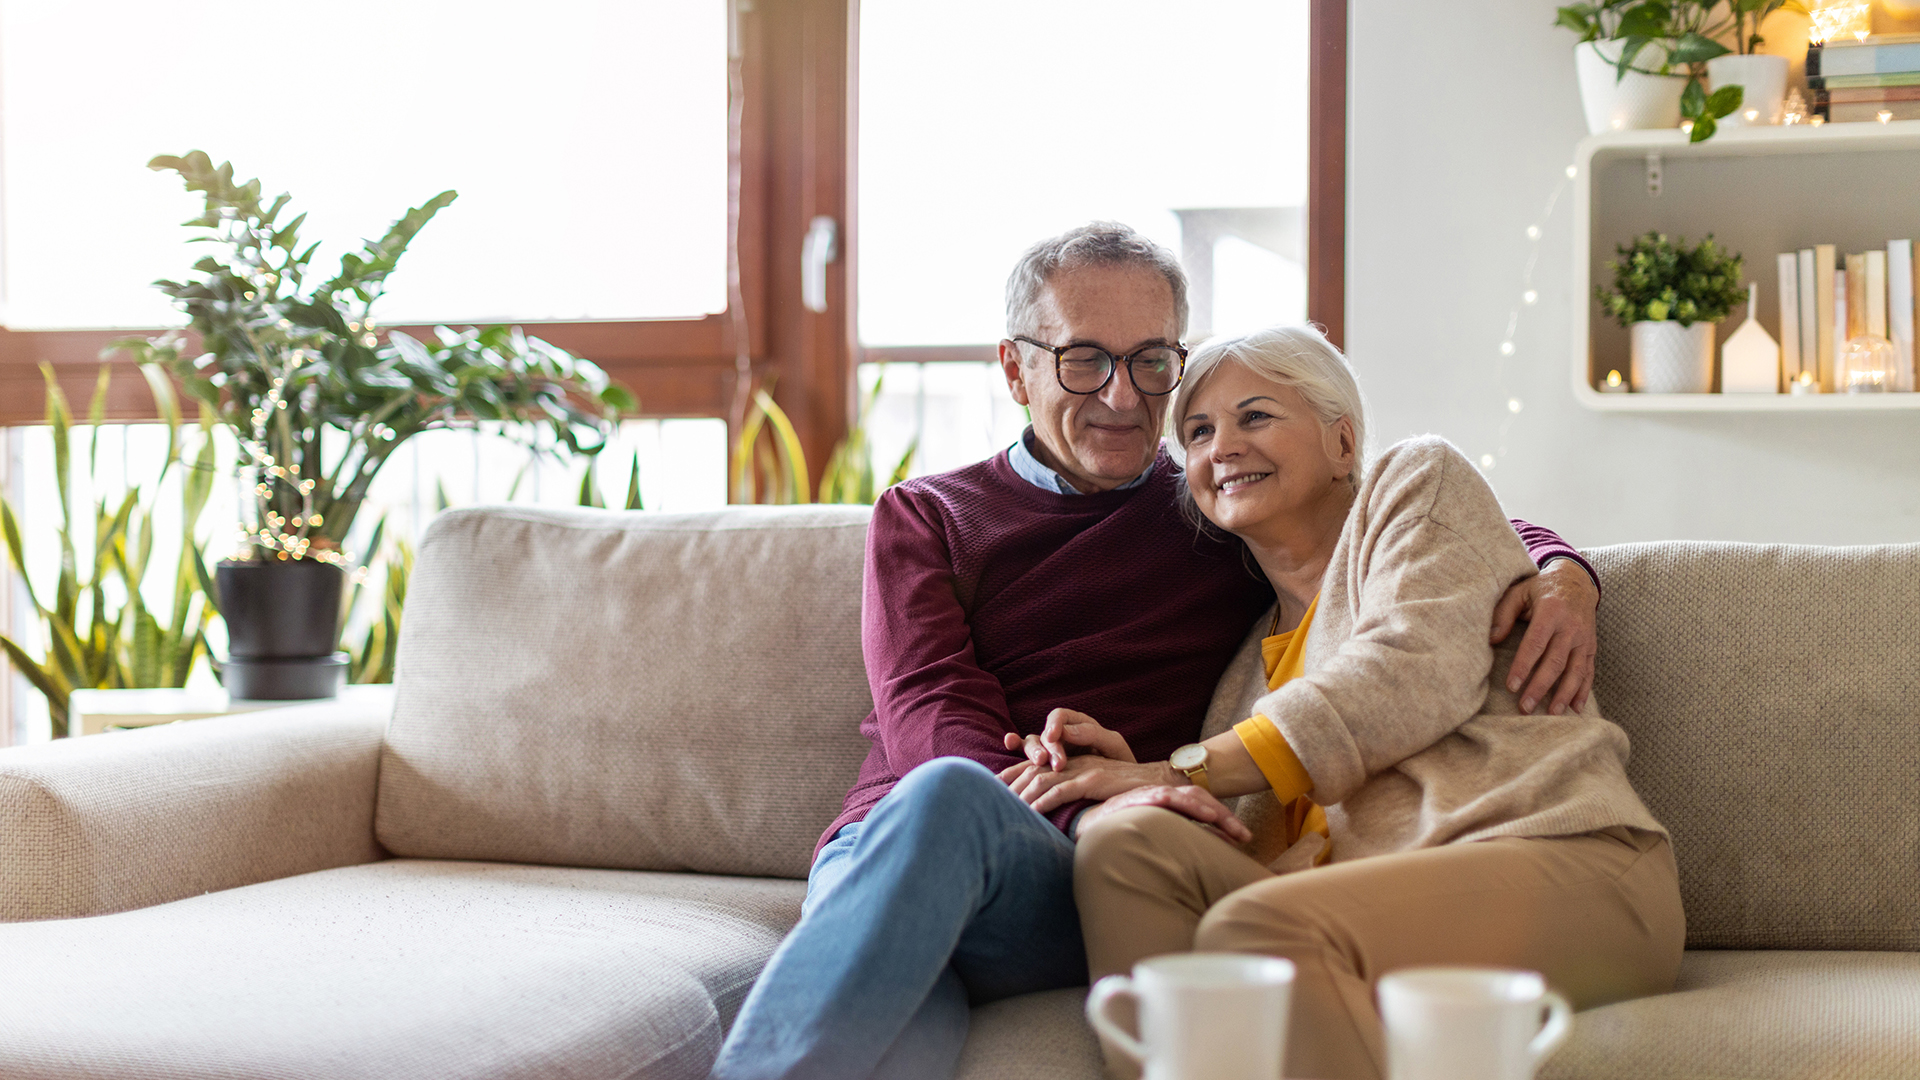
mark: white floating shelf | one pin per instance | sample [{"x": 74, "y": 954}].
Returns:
[{"x": 1760, "y": 191}]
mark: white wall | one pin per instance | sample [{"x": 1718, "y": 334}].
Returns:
[{"x": 1462, "y": 118}]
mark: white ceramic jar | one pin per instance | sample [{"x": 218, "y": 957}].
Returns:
[
  {"x": 1672, "y": 359},
  {"x": 1764, "y": 81},
  {"x": 1636, "y": 101}
]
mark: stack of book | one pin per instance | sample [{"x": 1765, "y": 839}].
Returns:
[
  {"x": 1828, "y": 299},
  {"x": 1876, "y": 78}
]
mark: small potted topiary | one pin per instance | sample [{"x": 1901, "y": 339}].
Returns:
[{"x": 1669, "y": 296}]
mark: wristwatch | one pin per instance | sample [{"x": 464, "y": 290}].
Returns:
[{"x": 1192, "y": 760}]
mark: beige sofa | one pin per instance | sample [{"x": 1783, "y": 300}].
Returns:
[{"x": 616, "y": 737}]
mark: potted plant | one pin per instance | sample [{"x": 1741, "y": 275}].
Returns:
[
  {"x": 319, "y": 398},
  {"x": 1762, "y": 79},
  {"x": 1669, "y": 296},
  {"x": 1641, "y": 63}
]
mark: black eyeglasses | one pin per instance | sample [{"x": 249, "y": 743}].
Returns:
[{"x": 1087, "y": 369}]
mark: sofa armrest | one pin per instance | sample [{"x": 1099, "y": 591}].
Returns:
[{"x": 128, "y": 819}]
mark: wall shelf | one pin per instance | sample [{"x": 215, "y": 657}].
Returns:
[{"x": 1760, "y": 191}]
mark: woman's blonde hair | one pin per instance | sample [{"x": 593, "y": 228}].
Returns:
[{"x": 1296, "y": 356}]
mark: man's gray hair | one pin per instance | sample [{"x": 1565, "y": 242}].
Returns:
[{"x": 1101, "y": 243}]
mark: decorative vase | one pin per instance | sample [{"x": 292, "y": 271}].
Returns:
[
  {"x": 283, "y": 623},
  {"x": 1763, "y": 80},
  {"x": 1672, "y": 359},
  {"x": 1637, "y": 100}
]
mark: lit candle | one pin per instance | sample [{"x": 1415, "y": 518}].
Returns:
[
  {"x": 1805, "y": 384},
  {"x": 1614, "y": 384},
  {"x": 1884, "y": 115}
]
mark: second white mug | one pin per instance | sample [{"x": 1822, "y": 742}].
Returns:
[
  {"x": 1203, "y": 1016},
  {"x": 1459, "y": 1023}
]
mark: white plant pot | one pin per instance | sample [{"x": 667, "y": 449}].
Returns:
[
  {"x": 1636, "y": 101},
  {"x": 1764, "y": 81},
  {"x": 1672, "y": 359}
]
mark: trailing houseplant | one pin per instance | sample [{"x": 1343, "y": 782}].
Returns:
[
  {"x": 1669, "y": 296},
  {"x": 1658, "y": 51},
  {"x": 319, "y": 398}
]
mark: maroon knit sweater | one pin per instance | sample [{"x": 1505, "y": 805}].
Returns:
[{"x": 990, "y": 602}]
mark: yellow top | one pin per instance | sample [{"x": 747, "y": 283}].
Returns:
[{"x": 1286, "y": 659}]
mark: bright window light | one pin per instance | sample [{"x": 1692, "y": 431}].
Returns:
[
  {"x": 989, "y": 125},
  {"x": 587, "y": 141}
]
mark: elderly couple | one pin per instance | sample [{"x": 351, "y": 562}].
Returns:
[{"x": 1044, "y": 632}]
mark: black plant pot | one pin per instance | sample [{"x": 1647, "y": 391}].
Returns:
[{"x": 283, "y": 621}]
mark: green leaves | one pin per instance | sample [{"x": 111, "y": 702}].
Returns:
[
  {"x": 1656, "y": 279},
  {"x": 347, "y": 394},
  {"x": 1706, "y": 109},
  {"x": 99, "y": 631}
]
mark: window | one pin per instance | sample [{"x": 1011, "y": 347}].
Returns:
[
  {"x": 588, "y": 141},
  {"x": 988, "y": 126}
]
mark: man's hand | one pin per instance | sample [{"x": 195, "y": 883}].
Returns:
[
  {"x": 1556, "y": 655},
  {"x": 1087, "y": 776},
  {"x": 1193, "y": 802}
]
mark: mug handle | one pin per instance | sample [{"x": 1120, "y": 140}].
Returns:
[
  {"x": 1559, "y": 1025},
  {"x": 1105, "y": 991}
]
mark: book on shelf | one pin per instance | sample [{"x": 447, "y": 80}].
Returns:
[
  {"x": 1855, "y": 322},
  {"x": 1809, "y": 319},
  {"x": 1900, "y": 310},
  {"x": 1868, "y": 112},
  {"x": 1863, "y": 94},
  {"x": 1878, "y": 55},
  {"x": 1789, "y": 266},
  {"x": 1836, "y": 379},
  {"x": 1849, "y": 82},
  {"x": 1823, "y": 274}
]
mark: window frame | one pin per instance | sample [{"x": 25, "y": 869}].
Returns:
[{"x": 794, "y": 147}]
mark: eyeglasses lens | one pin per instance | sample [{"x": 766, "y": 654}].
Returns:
[{"x": 1084, "y": 370}]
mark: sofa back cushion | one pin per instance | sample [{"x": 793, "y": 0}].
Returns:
[
  {"x": 631, "y": 690},
  {"x": 1773, "y": 697}
]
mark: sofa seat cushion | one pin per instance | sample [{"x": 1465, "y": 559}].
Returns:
[
  {"x": 398, "y": 968},
  {"x": 1759, "y": 1016},
  {"x": 1032, "y": 1037}
]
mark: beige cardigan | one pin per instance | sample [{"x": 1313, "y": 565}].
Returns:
[{"x": 1408, "y": 741}]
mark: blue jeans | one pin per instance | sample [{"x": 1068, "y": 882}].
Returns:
[{"x": 951, "y": 893}]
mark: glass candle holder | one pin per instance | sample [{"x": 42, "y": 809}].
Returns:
[{"x": 1866, "y": 365}]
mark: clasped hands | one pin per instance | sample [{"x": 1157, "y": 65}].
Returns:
[{"x": 1075, "y": 758}]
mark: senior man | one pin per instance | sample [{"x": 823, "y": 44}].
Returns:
[{"x": 1060, "y": 573}]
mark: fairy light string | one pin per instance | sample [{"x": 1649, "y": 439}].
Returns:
[{"x": 1529, "y": 296}]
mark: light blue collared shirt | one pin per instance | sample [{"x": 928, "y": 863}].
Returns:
[{"x": 1020, "y": 456}]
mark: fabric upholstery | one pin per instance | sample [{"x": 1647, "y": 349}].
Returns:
[
  {"x": 1032, "y": 1037},
  {"x": 397, "y": 969},
  {"x": 1773, "y": 700},
  {"x": 641, "y": 691},
  {"x": 127, "y": 819},
  {"x": 1758, "y": 1016}
]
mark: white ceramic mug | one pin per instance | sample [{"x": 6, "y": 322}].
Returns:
[
  {"x": 1203, "y": 1016},
  {"x": 1460, "y": 1023}
]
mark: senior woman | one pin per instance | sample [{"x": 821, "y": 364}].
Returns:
[{"x": 1425, "y": 819}]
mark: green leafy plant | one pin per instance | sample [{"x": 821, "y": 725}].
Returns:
[
  {"x": 1684, "y": 34},
  {"x": 370, "y": 659},
  {"x": 99, "y": 630},
  {"x": 1655, "y": 279},
  {"x": 769, "y": 464},
  {"x": 285, "y": 357}
]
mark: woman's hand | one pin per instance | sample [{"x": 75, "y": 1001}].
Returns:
[
  {"x": 1192, "y": 802},
  {"x": 1087, "y": 776}
]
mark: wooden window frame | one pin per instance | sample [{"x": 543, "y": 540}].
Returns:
[
  {"x": 795, "y": 163},
  {"x": 1326, "y": 198},
  {"x": 798, "y": 141}
]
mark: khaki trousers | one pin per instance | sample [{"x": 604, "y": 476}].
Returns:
[{"x": 1599, "y": 915}]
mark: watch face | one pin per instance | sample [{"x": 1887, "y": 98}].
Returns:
[{"x": 1190, "y": 756}]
